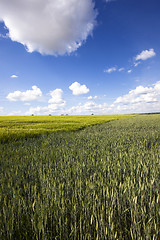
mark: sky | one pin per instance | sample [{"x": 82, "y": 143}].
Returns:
[{"x": 79, "y": 57}]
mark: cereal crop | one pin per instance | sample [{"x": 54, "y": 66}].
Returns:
[{"x": 101, "y": 182}]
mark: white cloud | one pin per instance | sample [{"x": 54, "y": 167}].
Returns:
[
  {"x": 141, "y": 95},
  {"x": 109, "y": 70},
  {"x": 58, "y": 106},
  {"x": 121, "y": 69},
  {"x": 50, "y": 109},
  {"x": 90, "y": 97},
  {"x": 144, "y": 55},
  {"x": 14, "y": 76},
  {"x": 114, "y": 69},
  {"x": 78, "y": 89},
  {"x": 29, "y": 95},
  {"x": 53, "y": 27},
  {"x": 137, "y": 108},
  {"x": 27, "y": 104},
  {"x": 139, "y": 100},
  {"x": 88, "y": 108},
  {"x": 56, "y": 96},
  {"x": 56, "y": 102},
  {"x": 129, "y": 71},
  {"x": 136, "y": 64},
  {"x": 55, "y": 106},
  {"x": 1, "y": 109},
  {"x": 37, "y": 111}
]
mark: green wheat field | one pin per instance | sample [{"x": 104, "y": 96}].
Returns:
[{"x": 80, "y": 177}]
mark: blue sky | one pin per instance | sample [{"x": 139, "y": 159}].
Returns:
[{"x": 79, "y": 57}]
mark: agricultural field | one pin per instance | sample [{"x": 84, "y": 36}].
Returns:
[
  {"x": 13, "y": 128},
  {"x": 100, "y": 182}
]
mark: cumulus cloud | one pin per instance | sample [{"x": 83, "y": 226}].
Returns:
[
  {"x": 129, "y": 71},
  {"x": 86, "y": 108},
  {"x": 89, "y": 107},
  {"x": 56, "y": 96},
  {"x": 50, "y": 109},
  {"x": 90, "y": 97},
  {"x": 139, "y": 100},
  {"x": 56, "y": 101},
  {"x": 144, "y": 55},
  {"x": 29, "y": 95},
  {"x": 39, "y": 110},
  {"x": 137, "y": 108},
  {"x": 49, "y": 27},
  {"x": 141, "y": 95},
  {"x": 14, "y": 76},
  {"x": 55, "y": 106},
  {"x": 78, "y": 89},
  {"x": 109, "y": 70}
]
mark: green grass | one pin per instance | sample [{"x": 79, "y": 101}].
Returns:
[
  {"x": 13, "y": 128},
  {"x": 102, "y": 182}
]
